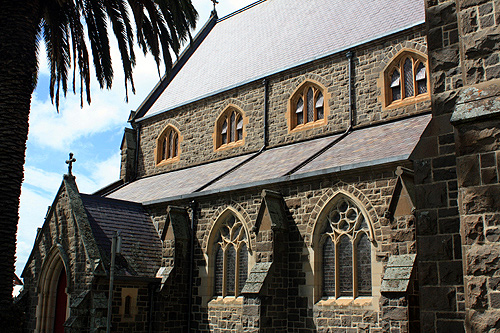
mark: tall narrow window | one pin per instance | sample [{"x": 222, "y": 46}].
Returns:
[
  {"x": 231, "y": 258},
  {"x": 307, "y": 105},
  {"x": 406, "y": 78},
  {"x": 219, "y": 270},
  {"x": 229, "y": 128},
  {"x": 328, "y": 267},
  {"x": 168, "y": 145},
  {"x": 346, "y": 252}
]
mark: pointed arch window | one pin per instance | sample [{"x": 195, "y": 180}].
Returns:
[
  {"x": 406, "y": 78},
  {"x": 230, "y": 258},
  {"x": 307, "y": 106},
  {"x": 167, "y": 148},
  {"x": 229, "y": 128},
  {"x": 345, "y": 252}
]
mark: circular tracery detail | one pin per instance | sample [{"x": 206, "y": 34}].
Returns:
[{"x": 344, "y": 218}]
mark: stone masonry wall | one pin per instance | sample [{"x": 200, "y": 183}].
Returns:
[
  {"x": 196, "y": 121},
  {"x": 438, "y": 224},
  {"x": 59, "y": 229},
  {"x": 464, "y": 54},
  {"x": 290, "y": 287}
]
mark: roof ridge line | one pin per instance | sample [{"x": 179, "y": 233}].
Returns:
[{"x": 241, "y": 10}]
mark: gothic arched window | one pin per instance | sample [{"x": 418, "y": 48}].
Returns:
[
  {"x": 167, "y": 145},
  {"x": 345, "y": 251},
  {"x": 229, "y": 128},
  {"x": 406, "y": 78},
  {"x": 230, "y": 262},
  {"x": 307, "y": 105}
]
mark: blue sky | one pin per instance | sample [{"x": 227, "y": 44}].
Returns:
[{"x": 93, "y": 133}]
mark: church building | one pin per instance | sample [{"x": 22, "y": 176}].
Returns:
[{"x": 306, "y": 166}]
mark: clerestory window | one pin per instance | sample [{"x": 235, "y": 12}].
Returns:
[
  {"x": 307, "y": 106},
  {"x": 229, "y": 128},
  {"x": 230, "y": 258},
  {"x": 345, "y": 249},
  {"x": 167, "y": 147},
  {"x": 406, "y": 78}
]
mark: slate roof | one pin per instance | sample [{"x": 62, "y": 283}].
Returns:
[
  {"x": 174, "y": 183},
  {"x": 275, "y": 35},
  {"x": 274, "y": 163},
  {"x": 141, "y": 245},
  {"x": 389, "y": 142}
]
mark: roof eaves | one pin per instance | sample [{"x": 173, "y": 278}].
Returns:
[
  {"x": 260, "y": 77},
  {"x": 183, "y": 58},
  {"x": 278, "y": 180}
]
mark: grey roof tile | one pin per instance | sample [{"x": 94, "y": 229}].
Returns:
[
  {"x": 368, "y": 146},
  {"x": 279, "y": 34},
  {"x": 384, "y": 142},
  {"x": 175, "y": 182},
  {"x": 273, "y": 163},
  {"x": 141, "y": 245}
]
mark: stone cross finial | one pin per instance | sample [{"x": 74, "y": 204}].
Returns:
[
  {"x": 70, "y": 163},
  {"x": 215, "y": 2}
]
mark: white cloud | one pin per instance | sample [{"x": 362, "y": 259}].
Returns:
[
  {"x": 99, "y": 174},
  {"x": 46, "y": 181}
]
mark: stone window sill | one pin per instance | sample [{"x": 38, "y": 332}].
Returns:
[
  {"x": 346, "y": 302},
  {"x": 228, "y": 300}
]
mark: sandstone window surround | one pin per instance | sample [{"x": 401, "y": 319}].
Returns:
[
  {"x": 128, "y": 307},
  {"x": 343, "y": 251},
  {"x": 406, "y": 79},
  {"x": 53, "y": 297},
  {"x": 230, "y": 257},
  {"x": 308, "y": 106},
  {"x": 230, "y": 128},
  {"x": 167, "y": 145}
]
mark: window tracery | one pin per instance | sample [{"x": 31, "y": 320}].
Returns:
[
  {"x": 168, "y": 145},
  {"x": 308, "y": 105},
  {"x": 406, "y": 78},
  {"x": 345, "y": 252},
  {"x": 229, "y": 128},
  {"x": 231, "y": 258}
]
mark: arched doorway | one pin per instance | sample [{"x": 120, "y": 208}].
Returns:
[
  {"x": 61, "y": 303},
  {"x": 52, "y": 309}
]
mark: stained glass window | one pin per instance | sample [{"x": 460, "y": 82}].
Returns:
[
  {"x": 364, "y": 271},
  {"x": 233, "y": 126},
  {"x": 242, "y": 266},
  {"x": 319, "y": 106},
  {"x": 309, "y": 105},
  {"x": 230, "y": 266},
  {"x": 168, "y": 144},
  {"x": 421, "y": 78},
  {"x": 219, "y": 270},
  {"x": 408, "y": 70},
  {"x": 300, "y": 111},
  {"x": 346, "y": 251},
  {"x": 345, "y": 266},
  {"x": 328, "y": 268},
  {"x": 408, "y": 77},
  {"x": 229, "y": 127},
  {"x": 395, "y": 86}
]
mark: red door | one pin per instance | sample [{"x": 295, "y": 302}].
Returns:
[{"x": 61, "y": 303}]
